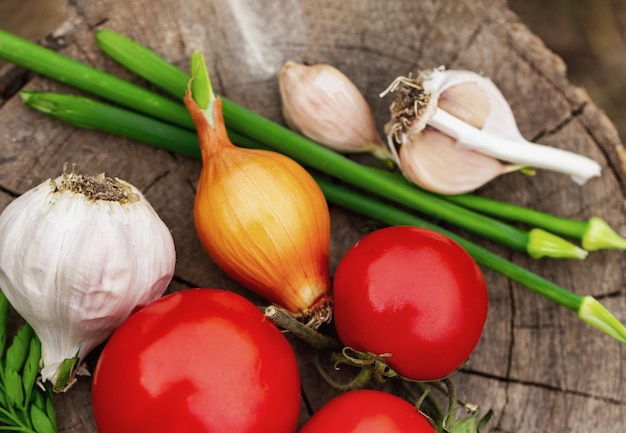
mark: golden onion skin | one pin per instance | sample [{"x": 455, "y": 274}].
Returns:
[{"x": 262, "y": 219}]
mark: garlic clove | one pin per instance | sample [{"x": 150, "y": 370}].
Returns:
[
  {"x": 323, "y": 104},
  {"x": 478, "y": 95},
  {"x": 417, "y": 105},
  {"x": 468, "y": 102},
  {"x": 431, "y": 160},
  {"x": 77, "y": 255}
]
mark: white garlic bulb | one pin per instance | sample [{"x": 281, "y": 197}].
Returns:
[{"x": 78, "y": 254}]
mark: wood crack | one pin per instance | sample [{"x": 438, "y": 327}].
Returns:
[
  {"x": 470, "y": 40},
  {"x": 546, "y": 387},
  {"x": 155, "y": 181},
  {"x": 509, "y": 365},
  {"x": 8, "y": 191},
  {"x": 184, "y": 282}
]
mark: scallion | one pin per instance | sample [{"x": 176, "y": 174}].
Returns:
[
  {"x": 587, "y": 307},
  {"x": 90, "y": 114},
  {"x": 594, "y": 234},
  {"x": 145, "y": 63},
  {"x": 61, "y": 68}
]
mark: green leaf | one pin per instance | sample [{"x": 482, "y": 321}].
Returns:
[
  {"x": 23, "y": 405},
  {"x": 31, "y": 367},
  {"x": 13, "y": 387},
  {"x": 3, "y": 398},
  {"x": 39, "y": 400},
  {"x": 472, "y": 423},
  {"x": 41, "y": 422},
  {"x": 4, "y": 319},
  {"x": 466, "y": 425},
  {"x": 482, "y": 422},
  {"x": 18, "y": 350},
  {"x": 50, "y": 410},
  {"x": 4, "y": 306}
]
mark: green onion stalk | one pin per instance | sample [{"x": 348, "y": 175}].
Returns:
[
  {"x": 594, "y": 234},
  {"x": 86, "y": 113},
  {"x": 536, "y": 242}
]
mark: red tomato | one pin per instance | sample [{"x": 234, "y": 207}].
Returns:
[
  {"x": 414, "y": 294},
  {"x": 367, "y": 411},
  {"x": 198, "y": 360}
]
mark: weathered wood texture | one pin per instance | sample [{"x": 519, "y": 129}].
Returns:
[{"x": 538, "y": 366}]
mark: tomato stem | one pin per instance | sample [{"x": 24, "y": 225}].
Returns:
[
  {"x": 426, "y": 398},
  {"x": 363, "y": 377},
  {"x": 285, "y": 320},
  {"x": 450, "y": 418}
]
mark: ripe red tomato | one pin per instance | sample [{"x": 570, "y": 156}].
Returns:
[
  {"x": 197, "y": 360},
  {"x": 367, "y": 411},
  {"x": 414, "y": 294}
]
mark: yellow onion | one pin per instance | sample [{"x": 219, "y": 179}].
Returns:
[{"x": 262, "y": 218}]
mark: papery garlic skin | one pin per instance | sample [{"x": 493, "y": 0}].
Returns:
[
  {"x": 75, "y": 265},
  {"x": 418, "y": 105},
  {"x": 323, "y": 104}
]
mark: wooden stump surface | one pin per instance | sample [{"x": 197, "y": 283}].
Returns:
[{"x": 537, "y": 365}]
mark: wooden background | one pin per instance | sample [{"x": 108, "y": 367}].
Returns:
[{"x": 537, "y": 365}]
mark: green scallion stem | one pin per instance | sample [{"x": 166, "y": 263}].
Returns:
[
  {"x": 305, "y": 151},
  {"x": 61, "y": 68},
  {"x": 594, "y": 234},
  {"x": 586, "y": 307},
  {"x": 89, "y": 114},
  {"x": 127, "y": 53}
]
